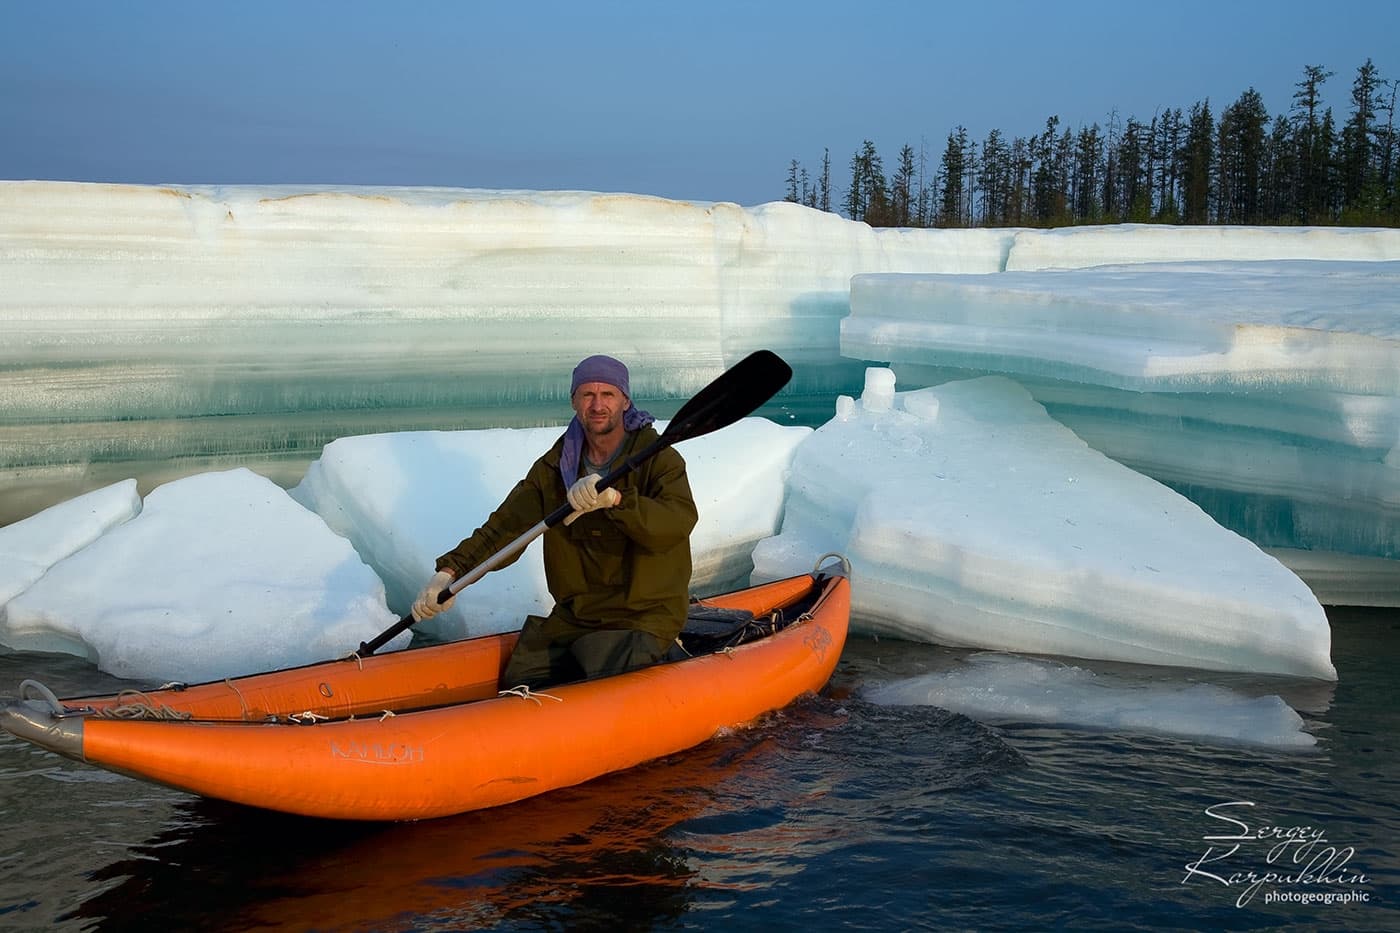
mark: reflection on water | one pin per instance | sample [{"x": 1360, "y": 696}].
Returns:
[
  {"x": 833, "y": 813},
  {"x": 629, "y": 851},
  {"x": 218, "y": 867}
]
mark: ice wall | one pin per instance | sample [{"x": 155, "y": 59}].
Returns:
[
  {"x": 1268, "y": 392},
  {"x": 162, "y": 297},
  {"x": 156, "y": 332},
  {"x": 1078, "y": 247},
  {"x": 221, "y": 325},
  {"x": 1214, "y": 327}
]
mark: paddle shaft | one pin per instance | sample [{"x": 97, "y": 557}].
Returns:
[
  {"x": 519, "y": 544},
  {"x": 734, "y": 394}
]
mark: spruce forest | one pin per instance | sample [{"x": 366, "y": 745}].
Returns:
[{"x": 1242, "y": 167}]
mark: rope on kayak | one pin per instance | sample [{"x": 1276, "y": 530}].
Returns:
[
  {"x": 525, "y": 693},
  {"x": 228, "y": 682},
  {"x": 146, "y": 709}
]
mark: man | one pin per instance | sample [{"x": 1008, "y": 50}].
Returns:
[{"x": 619, "y": 568}]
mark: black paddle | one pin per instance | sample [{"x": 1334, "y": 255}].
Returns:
[{"x": 735, "y": 394}]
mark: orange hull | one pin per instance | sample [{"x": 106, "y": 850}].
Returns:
[{"x": 422, "y": 733}]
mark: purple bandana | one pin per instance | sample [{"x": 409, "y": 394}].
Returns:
[{"x": 601, "y": 369}]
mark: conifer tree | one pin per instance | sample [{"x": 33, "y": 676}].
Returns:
[
  {"x": 1045, "y": 199},
  {"x": 1361, "y": 184},
  {"x": 994, "y": 175},
  {"x": 1088, "y": 165},
  {"x": 1062, "y": 171},
  {"x": 923, "y": 197},
  {"x": 1166, "y": 153},
  {"x": 1278, "y": 175},
  {"x": 1312, "y": 157},
  {"x": 1019, "y": 209},
  {"x": 1327, "y": 172},
  {"x": 824, "y": 184},
  {"x": 950, "y": 197},
  {"x": 970, "y": 171},
  {"x": 868, "y": 198},
  {"x": 856, "y": 195},
  {"x": 1389, "y": 168},
  {"x": 1112, "y": 207},
  {"x": 1241, "y": 158},
  {"x": 902, "y": 188},
  {"x": 1134, "y": 195},
  {"x": 877, "y": 209},
  {"x": 1196, "y": 165}
]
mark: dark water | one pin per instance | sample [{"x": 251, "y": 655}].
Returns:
[{"x": 833, "y": 814}]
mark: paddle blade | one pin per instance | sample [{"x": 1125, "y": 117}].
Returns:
[{"x": 736, "y": 393}]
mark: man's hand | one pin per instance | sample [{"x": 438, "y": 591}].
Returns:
[
  {"x": 426, "y": 605},
  {"x": 585, "y": 497}
]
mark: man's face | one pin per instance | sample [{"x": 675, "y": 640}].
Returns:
[{"x": 599, "y": 407}]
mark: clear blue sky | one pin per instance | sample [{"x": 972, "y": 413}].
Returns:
[{"x": 703, "y": 101}]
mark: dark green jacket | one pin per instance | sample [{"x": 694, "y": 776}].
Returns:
[{"x": 624, "y": 567}]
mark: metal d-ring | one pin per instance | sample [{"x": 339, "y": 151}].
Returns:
[
  {"x": 845, "y": 564},
  {"x": 33, "y": 690}
]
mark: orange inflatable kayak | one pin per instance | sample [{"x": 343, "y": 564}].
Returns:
[{"x": 424, "y": 733}]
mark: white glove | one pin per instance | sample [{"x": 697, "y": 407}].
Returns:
[
  {"x": 426, "y": 605},
  {"x": 585, "y": 497}
]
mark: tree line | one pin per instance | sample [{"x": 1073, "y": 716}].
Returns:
[{"x": 1181, "y": 167}]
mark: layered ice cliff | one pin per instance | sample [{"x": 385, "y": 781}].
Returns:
[
  {"x": 1267, "y": 392},
  {"x": 165, "y": 332},
  {"x": 173, "y": 329}
]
